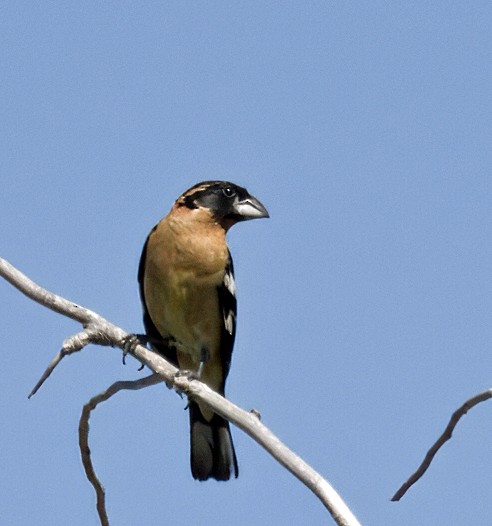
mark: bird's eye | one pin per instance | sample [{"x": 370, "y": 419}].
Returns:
[{"x": 228, "y": 191}]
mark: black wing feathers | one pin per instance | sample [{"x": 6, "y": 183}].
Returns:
[{"x": 228, "y": 306}]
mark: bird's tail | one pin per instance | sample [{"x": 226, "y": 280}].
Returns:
[{"x": 212, "y": 450}]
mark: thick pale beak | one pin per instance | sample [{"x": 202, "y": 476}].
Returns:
[{"x": 250, "y": 208}]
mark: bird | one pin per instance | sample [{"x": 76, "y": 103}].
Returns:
[{"x": 188, "y": 295}]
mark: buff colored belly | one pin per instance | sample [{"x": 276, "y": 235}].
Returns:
[{"x": 188, "y": 310}]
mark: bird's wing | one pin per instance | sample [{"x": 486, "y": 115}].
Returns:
[{"x": 228, "y": 306}]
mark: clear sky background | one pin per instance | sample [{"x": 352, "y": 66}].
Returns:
[{"x": 364, "y": 302}]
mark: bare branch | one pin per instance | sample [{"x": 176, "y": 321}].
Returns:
[
  {"x": 46, "y": 298},
  {"x": 110, "y": 334},
  {"x": 85, "y": 451},
  {"x": 73, "y": 344},
  {"x": 446, "y": 435}
]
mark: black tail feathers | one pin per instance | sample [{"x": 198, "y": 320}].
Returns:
[{"x": 212, "y": 450}]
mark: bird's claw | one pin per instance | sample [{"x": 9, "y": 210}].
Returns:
[
  {"x": 187, "y": 373},
  {"x": 130, "y": 343}
]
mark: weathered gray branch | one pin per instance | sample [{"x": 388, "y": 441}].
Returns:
[
  {"x": 101, "y": 331},
  {"x": 446, "y": 435}
]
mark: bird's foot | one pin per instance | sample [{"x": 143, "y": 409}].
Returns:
[
  {"x": 187, "y": 373},
  {"x": 130, "y": 343}
]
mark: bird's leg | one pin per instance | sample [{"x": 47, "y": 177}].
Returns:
[
  {"x": 192, "y": 375},
  {"x": 204, "y": 357}
]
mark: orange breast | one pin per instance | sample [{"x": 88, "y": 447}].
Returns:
[{"x": 185, "y": 262}]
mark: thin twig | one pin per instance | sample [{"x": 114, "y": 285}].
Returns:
[
  {"x": 73, "y": 344},
  {"x": 446, "y": 435},
  {"x": 85, "y": 451}
]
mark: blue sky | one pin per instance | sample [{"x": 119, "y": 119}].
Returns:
[{"x": 364, "y": 302}]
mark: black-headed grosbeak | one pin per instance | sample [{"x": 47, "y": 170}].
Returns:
[{"x": 188, "y": 295}]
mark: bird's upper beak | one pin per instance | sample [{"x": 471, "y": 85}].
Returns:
[{"x": 250, "y": 208}]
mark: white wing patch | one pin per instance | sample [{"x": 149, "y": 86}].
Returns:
[
  {"x": 229, "y": 283},
  {"x": 229, "y": 322}
]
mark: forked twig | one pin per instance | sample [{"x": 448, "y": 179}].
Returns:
[
  {"x": 446, "y": 435},
  {"x": 73, "y": 344},
  {"x": 85, "y": 451}
]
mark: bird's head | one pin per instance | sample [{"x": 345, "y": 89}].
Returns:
[{"x": 227, "y": 202}]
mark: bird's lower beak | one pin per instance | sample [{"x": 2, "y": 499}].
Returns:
[{"x": 250, "y": 208}]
